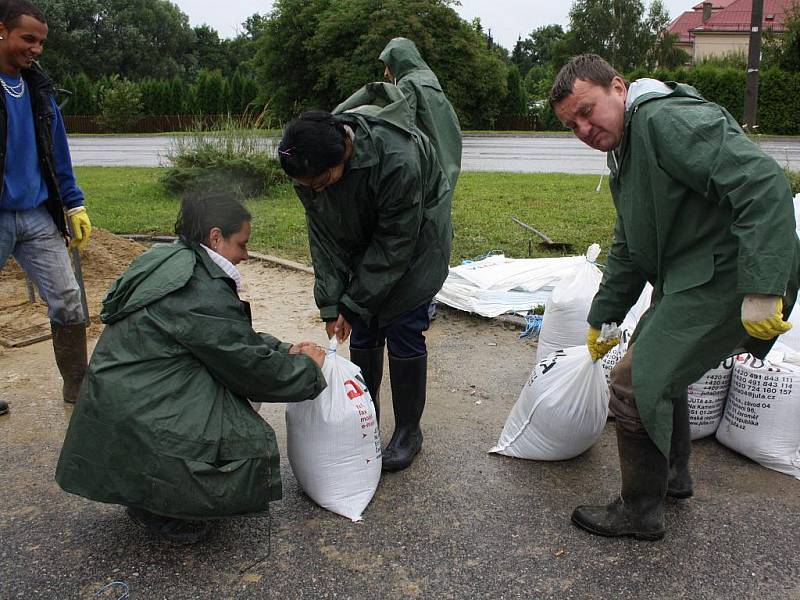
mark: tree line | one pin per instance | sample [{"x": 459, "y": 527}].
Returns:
[
  {"x": 314, "y": 53},
  {"x": 209, "y": 94}
]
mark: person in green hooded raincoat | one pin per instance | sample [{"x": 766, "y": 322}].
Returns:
[
  {"x": 378, "y": 208},
  {"x": 705, "y": 216},
  {"x": 163, "y": 424},
  {"x": 433, "y": 113}
]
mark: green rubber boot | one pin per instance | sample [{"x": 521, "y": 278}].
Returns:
[
  {"x": 639, "y": 509},
  {"x": 680, "y": 480}
]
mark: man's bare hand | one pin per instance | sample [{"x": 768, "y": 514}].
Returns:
[{"x": 340, "y": 328}]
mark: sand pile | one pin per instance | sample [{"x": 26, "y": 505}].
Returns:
[{"x": 102, "y": 261}]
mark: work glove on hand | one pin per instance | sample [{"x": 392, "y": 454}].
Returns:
[
  {"x": 599, "y": 347},
  {"x": 81, "y": 227},
  {"x": 762, "y": 316}
]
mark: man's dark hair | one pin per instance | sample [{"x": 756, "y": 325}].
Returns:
[
  {"x": 312, "y": 143},
  {"x": 588, "y": 67},
  {"x": 201, "y": 212},
  {"x": 11, "y": 11}
]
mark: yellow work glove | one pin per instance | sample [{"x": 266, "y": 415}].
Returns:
[
  {"x": 81, "y": 227},
  {"x": 762, "y": 316},
  {"x": 598, "y": 349}
]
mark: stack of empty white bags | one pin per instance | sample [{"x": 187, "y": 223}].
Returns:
[{"x": 753, "y": 406}]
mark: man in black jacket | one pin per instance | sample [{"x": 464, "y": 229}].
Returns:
[{"x": 39, "y": 187}]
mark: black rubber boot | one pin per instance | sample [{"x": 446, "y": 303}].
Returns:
[
  {"x": 408, "y": 378},
  {"x": 69, "y": 345},
  {"x": 370, "y": 361},
  {"x": 3, "y": 407},
  {"x": 639, "y": 510},
  {"x": 680, "y": 480}
]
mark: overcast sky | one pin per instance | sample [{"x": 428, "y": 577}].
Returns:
[{"x": 508, "y": 19}]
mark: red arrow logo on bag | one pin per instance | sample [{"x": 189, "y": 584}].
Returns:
[{"x": 355, "y": 392}]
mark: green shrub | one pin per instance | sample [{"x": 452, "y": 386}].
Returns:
[
  {"x": 120, "y": 103},
  {"x": 244, "y": 177},
  {"x": 229, "y": 158},
  {"x": 794, "y": 180}
]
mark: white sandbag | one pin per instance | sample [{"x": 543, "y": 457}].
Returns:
[
  {"x": 762, "y": 415},
  {"x": 796, "y": 202},
  {"x": 707, "y": 399},
  {"x": 792, "y": 337},
  {"x": 564, "y": 324},
  {"x": 333, "y": 440},
  {"x": 561, "y": 410}
]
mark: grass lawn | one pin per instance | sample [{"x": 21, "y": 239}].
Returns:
[{"x": 565, "y": 207}]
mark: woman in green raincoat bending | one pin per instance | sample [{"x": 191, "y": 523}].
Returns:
[
  {"x": 163, "y": 424},
  {"x": 378, "y": 212}
]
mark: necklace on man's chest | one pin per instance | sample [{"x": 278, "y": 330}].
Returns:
[{"x": 15, "y": 91}]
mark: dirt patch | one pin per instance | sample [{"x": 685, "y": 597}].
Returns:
[{"x": 102, "y": 261}]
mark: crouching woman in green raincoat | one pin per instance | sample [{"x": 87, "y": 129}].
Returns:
[
  {"x": 378, "y": 212},
  {"x": 163, "y": 424}
]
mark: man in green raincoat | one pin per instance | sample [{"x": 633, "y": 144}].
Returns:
[
  {"x": 377, "y": 206},
  {"x": 433, "y": 113},
  {"x": 706, "y": 217}
]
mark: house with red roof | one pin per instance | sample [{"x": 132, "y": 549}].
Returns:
[{"x": 722, "y": 27}]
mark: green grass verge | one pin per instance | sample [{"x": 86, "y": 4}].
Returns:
[{"x": 565, "y": 207}]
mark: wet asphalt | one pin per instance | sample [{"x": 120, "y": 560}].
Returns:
[
  {"x": 459, "y": 523},
  {"x": 514, "y": 153}
]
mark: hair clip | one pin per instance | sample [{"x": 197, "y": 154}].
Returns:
[{"x": 286, "y": 152}]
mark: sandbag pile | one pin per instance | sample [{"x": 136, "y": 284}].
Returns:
[
  {"x": 333, "y": 441},
  {"x": 561, "y": 410},
  {"x": 497, "y": 284},
  {"x": 762, "y": 415}
]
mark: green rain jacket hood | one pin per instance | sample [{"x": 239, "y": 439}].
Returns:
[
  {"x": 705, "y": 216},
  {"x": 433, "y": 113},
  {"x": 163, "y": 421},
  {"x": 380, "y": 237}
]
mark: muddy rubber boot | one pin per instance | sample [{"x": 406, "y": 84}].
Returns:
[
  {"x": 69, "y": 345},
  {"x": 370, "y": 362},
  {"x": 680, "y": 480},
  {"x": 408, "y": 378},
  {"x": 3, "y": 407},
  {"x": 639, "y": 510}
]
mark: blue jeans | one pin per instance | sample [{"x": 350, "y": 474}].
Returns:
[
  {"x": 404, "y": 336},
  {"x": 33, "y": 239}
]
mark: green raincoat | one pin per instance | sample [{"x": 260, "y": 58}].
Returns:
[
  {"x": 380, "y": 236},
  {"x": 706, "y": 217},
  {"x": 434, "y": 115},
  {"x": 163, "y": 421}
]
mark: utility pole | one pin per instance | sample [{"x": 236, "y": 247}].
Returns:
[{"x": 753, "y": 64}]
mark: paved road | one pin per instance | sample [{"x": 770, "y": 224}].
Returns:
[{"x": 511, "y": 153}]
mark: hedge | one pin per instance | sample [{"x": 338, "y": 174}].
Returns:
[{"x": 778, "y": 93}]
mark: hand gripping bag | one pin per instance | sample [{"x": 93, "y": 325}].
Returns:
[
  {"x": 561, "y": 410},
  {"x": 565, "y": 313},
  {"x": 333, "y": 440}
]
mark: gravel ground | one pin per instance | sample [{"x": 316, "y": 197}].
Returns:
[{"x": 460, "y": 523}]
